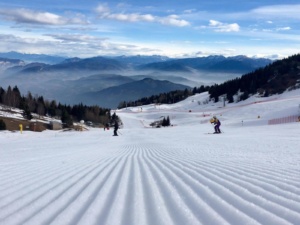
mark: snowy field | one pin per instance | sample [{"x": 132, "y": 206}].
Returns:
[{"x": 181, "y": 175}]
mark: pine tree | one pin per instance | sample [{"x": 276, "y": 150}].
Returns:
[
  {"x": 168, "y": 121},
  {"x": 230, "y": 98},
  {"x": 27, "y": 113},
  {"x": 2, "y": 93},
  {"x": 164, "y": 122},
  {"x": 52, "y": 108},
  {"x": 66, "y": 118}
]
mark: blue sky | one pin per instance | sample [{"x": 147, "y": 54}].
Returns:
[{"x": 182, "y": 28}]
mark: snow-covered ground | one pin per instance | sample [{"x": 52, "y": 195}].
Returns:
[{"x": 249, "y": 174}]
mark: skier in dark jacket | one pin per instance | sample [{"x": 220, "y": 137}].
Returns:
[
  {"x": 217, "y": 124},
  {"x": 116, "y": 126}
]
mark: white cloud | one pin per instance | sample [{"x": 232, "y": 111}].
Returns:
[
  {"x": 104, "y": 12},
  {"x": 283, "y": 28},
  {"x": 102, "y": 9},
  {"x": 272, "y": 30},
  {"x": 189, "y": 11},
  {"x": 71, "y": 45},
  {"x": 134, "y": 17},
  {"x": 223, "y": 27},
  {"x": 279, "y": 11},
  {"x": 36, "y": 17},
  {"x": 76, "y": 38},
  {"x": 174, "y": 21},
  {"x": 214, "y": 23}
]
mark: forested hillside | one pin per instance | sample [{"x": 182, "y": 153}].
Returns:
[
  {"x": 272, "y": 79},
  {"x": 165, "y": 98},
  {"x": 30, "y": 104}
]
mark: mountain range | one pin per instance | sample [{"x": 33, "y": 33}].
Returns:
[
  {"x": 6, "y": 63},
  {"x": 216, "y": 63},
  {"x": 28, "y": 58},
  {"x": 107, "y": 81},
  {"x": 129, "y": 91}
]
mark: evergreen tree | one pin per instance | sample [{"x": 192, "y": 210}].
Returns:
[
  {"x": 244, "y": 96},
  {"x": 66, "y": 118},
  {"x": 230, "y": 98},
  {"x": 7, "y": 97},
  {"x": 16, "y": 97},
  {"x": 266, "y": 94},
  {"x": 40, "y": 108},
  {"x": 166, "y": 122},
  {"x": 52, "y": 108},
  {"x": 30, "y": 102},
  {"x": 2, "y": 92},
  {"x": 27, "y": 113}
]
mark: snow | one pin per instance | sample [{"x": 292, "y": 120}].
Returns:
[{"x": 249, "y": 174}]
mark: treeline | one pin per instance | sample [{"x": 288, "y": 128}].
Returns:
[
  {"x": 165, "y": 98},
  {"x": 272, "y": 79},
  {"x": 30, "y": 104}
]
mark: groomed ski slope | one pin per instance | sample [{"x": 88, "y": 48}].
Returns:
[{"x": 250, "y": 174}]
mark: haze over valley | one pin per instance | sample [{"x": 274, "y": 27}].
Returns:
[{"x": 107, "y": 81}]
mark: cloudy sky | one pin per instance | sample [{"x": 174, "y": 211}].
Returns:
[{"x": 174, "y": 28}]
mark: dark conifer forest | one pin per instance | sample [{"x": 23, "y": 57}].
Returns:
[
  {"x": 273, "y": 79},
  {"x": 37, "y": 104}
]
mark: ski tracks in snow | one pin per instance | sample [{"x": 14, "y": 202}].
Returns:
[{"x": 144, "y": 183}]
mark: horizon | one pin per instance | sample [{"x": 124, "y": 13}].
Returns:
[
  {"x": 268, "y": 29},
  {"x": 115, "y": 56}
]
